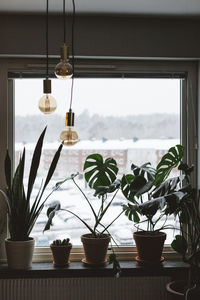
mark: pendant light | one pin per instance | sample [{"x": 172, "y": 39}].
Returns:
[
  {"x": 63, "y": 69},
  {"x": 47, "y": 104},
  {"x": 69, "y": 136}
]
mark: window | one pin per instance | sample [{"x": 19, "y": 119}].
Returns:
[{"x": 166, "y": 119}]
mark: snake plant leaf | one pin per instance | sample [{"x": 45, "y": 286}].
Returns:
[
  {"x": 132, "y": 212},
  {"x": 17, "y": 186},
  {"x": 99, "y": 172},
  {"x": 53, "y": 166},
  {"x": 7, "y": 169},
  {"x": 168, "y": 162},
  {"x": 35, "y": 163},
  {"x": 179, "y": 244}
]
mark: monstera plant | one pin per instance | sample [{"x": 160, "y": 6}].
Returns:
[
  {"x": 146, "y": 191},
  {"x": 101, "y": 176}
]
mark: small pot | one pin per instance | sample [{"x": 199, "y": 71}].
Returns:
[
  {"x": 61, "y": 254},
  {"x": 149, "y": 246},
  {"x": 19, "y": 253},
  {"x": 175, "y": 290},
  {"x": 95, "y": 249}
]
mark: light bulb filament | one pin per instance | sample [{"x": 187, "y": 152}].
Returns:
[{"x": 47, "y": 104}]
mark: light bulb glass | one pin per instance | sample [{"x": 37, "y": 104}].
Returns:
[
  {"x": 47, "y": 104},
  {"x": 63, "y": 70},
  {"x": 69, "y": 136}
]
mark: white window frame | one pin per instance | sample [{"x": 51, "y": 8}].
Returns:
[{"x": 189, "y": 115}]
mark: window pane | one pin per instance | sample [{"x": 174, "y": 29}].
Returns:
[{"x": 132, "y": 120}]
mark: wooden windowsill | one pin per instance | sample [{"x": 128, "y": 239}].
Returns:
[{"x": 174, "y": 269}]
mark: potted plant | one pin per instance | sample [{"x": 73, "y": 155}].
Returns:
[
  {"x": 101, "y": 176},
  {"x": 61, "y": 251},
  {"x": 142, "y": 190},
  {"x": 185, "y": 204},
  {"x": 23, "y": 211},
  {"x": 177, "y": 196}
]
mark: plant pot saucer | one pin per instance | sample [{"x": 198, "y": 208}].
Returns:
[
  {"x": 92, "y": 264},
  {"x": 61, "y": 266},
  {"x": 147, "y": 262}
]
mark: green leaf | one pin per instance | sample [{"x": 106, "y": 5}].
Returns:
[
  {"x": 179, "y": 244},
  {"x": 131, "y": 211},
  {"x": 51, "y": 211},
  {"x": 168, "y": 162},
  {"x": 144, "y": 170},
  {"x": 35, "y": 163},
  {"x": 7, "y": 168},
  {"x": 126, "y": 189},
  {"x": 100, "y": 173},
  {"x": 150, "y": 208},
  {"x": 53, "y": 166}
]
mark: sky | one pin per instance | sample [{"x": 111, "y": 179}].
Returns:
[{"x": 116, "y": 97}]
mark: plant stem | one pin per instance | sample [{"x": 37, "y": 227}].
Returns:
[
  {"x": 86, "y": 199},
  {"x": 112, "y": 222}
]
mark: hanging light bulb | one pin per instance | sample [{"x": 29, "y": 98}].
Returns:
[
  {"x": 63, "y": 69},
  {"x": 47, "y": 103},
  {"x": 69, "y": 136}
]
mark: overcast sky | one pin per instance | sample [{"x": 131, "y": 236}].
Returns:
[{"x": 117, "y": 97}]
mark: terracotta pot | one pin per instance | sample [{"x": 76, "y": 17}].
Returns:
[
  {"x": 61, "y": 254},
  {"x": 95, "y": 249},
  {"x": 149, "y": 246},
  {"x": 19, "y": 253},
  {"x": 175, "y": 290}
]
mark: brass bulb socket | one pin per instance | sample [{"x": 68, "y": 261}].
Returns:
[{"x": 63, "y": 52}]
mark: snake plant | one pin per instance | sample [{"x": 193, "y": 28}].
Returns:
[{"x": 23, "y": 211}]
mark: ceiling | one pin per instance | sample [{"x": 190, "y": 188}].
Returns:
[{"x": 138, "y": 7}]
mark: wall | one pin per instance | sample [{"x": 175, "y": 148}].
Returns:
[{"x": 103, "y": 36}]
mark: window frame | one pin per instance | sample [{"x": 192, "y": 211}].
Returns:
[{"x": 12, "y": 67}]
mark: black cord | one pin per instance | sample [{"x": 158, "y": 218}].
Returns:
[
  {"x": 73, "y": 23},
  {"x": 64, "y": 23},
  {"x": 47, "y": 40}
]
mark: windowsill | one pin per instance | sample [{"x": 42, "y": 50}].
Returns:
[{"x": 78, "y": 269}]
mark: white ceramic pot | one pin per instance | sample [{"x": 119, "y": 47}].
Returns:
[{"x": 19, "y": 253}]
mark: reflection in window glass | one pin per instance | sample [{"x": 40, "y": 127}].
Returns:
[{"x": 131, "y": 120}]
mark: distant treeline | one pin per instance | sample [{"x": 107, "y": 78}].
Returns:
[{"x": 27, "y": 129}]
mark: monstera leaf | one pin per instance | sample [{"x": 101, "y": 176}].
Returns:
[
  {"x": 168, "y": 162},
  {"x": 145, "y": 171},
  {"x": 132, "y": 212},
  {"x": 126, "y": 187},
  {"x": 139, "y": 183},
  {"x": 99, "y": 172}
]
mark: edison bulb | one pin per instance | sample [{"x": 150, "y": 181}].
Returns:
[
  {"x": 69, "y": 136},
  {"x": 47, "y": 104},
  {"x": 63, "y": 70}
]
